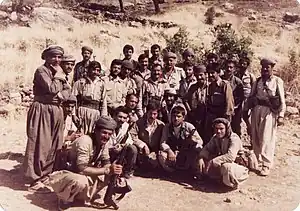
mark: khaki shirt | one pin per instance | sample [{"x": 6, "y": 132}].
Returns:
[
  {"x": 83, "y": 153},
  {"x": 220, "y": 99},
  {"x": 116, "y": 138},
  {"x": 171, "y": 139},
  {"x": 69, "y": 126},
  {"x": 145, "y": 134},
  {"x": 264, "y": 91},
  {"x": 130, "y": 85},
  {"x": 174, "y": 77},
  {"x": 140, "y": 78},
  {"x": 90, "y": 90},
  {"x": 116, "y": 91},
  {"x": 222, "y": 151},
  {"x": 248, "y": 80}
]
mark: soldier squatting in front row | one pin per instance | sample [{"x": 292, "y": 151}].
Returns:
[{"x": 154, "y": 114}]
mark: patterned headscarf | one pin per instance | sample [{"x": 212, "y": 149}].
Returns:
[{"x": 226, "y": 123}]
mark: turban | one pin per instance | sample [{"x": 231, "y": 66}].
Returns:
[
  {"x": 200, "y": 68},
  {"x": 188, "y": 52},
  {"x": 68, "y": 58},
  {"x": 170, "y": 91},
  {"x": 86, "y": 48},
  {"x": 52, "y": 50},
  {"x": 71, "y": 99},
  {"x": 127, "y": 64},
  {"x": 266, "y": 62},
  {"x": 226, "y": 123},
  {"x": 106, "y": 122},
  {"x": 170, "y": 55}
]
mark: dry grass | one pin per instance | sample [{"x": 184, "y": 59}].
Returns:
[{"x": 20, "y": 48}]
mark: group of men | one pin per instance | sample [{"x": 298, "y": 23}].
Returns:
[{"x": 175, "y": 117}]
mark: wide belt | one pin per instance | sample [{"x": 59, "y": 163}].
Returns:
[{"x": 93, "y": 104}]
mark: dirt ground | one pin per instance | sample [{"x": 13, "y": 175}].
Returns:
[{"x": 281, "y": 190}]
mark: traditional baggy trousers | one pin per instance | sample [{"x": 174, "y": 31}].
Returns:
[
  {"x": 45, "y": 125},
  {"x": 264, "y": 128}
]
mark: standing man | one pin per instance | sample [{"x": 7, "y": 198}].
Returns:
[
  {"x": 91, "y": 94},
  {"x": 115, "y": 88},
  {"x": 188, "y": 56},
  {"x": 126, "y": 74},
  {"x": 45, "y": 120},
  {"x": 154, "y": 87},
  {"x": 67, "y": 64},
  {"x": 211, "y": 58},
  {"x": 220, "y": 101},
  {"x": 188, "y": 81},
  {"x": 196, "y": 101},
  {"x": 171, "y": 73},
  {"x": 142, "y": 73},
  {"x": 238, "y": 95},
  {"x": 90, "y": 166},
  {"x": 132, "y": 102},
  {"x": 156, "y": 55},
  {"x": 248, "y": 80},
  {"x": 120, "y": 138},
  {"x": 170, "y": 98},
  {"x": 128, "y": 51},
  {"x": 268, "y": 106},
  {"x": 80, "y": 69}
]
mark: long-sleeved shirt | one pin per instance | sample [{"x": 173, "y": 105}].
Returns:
[
  {"x": 144, "y": 134},
  {"x": 222, "y": 151},
  {"x": 80, "y": 70},
  {"x": 117, "y": 137},
  {"x": 116, "y": 91},
  {"x": 89, "y": 90},
  {"x": 237, "y": 90},
  {"x": 248, "y": 80},
  {"x": 184, "y": 85},
  {"x": 272, "y": 87},
  {"x": 174, "y": 76},
  {"x": 220, "y": 101},
  {"x": 176, "y": 138}
]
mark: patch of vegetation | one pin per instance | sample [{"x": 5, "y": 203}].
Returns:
[{"x": 210, "y": 15}]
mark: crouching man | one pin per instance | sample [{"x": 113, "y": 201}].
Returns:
[
  {"x": 89, "y": 162},
  {"x": 180, "y": 143},
  {"x": 217, "y": 158}
]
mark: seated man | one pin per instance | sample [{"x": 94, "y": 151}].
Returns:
[
  {"x": 120, "y": 138},
  {"x": 170, "y": 98},
  {"x": 132, "y": 103},
  {"x": 89, "y": 159},
  {"x": 180, "y": 143},
  {"x": 217, "y": 158},
  {"x": 146, "y": 135}
]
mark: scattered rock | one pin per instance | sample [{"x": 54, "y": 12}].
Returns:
[
  {"x": 3, "y": 15},
  {"x": 13, "y": 16},
  {"x": 252, "y": 17},
  {"x": 7, "y": 109},
  {"x": 15, "y": 98},
  {"x": 26, "y": 99},
  {"x": 25, "y": 104},
  {"x": 227, "y": 200},
  {"x": 291, "y": 110},
  {"x": 228, "y": 6},
  {"x": 290, "y": 17}
]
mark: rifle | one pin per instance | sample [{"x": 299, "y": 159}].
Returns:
[{"x": 114, "y": 187}]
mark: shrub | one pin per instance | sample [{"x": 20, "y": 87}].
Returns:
[{"x": 210, "y": 15}]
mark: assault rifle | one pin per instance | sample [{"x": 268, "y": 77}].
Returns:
[{"x": 114, "y": 187}]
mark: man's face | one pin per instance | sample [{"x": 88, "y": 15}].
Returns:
[
  {"x": 220, "y": 130},
  {"x": 213, "y": 76},
  {"x": 155, "y": 52},
  {"x": 170, "y": 63},
  {"x": 243, "y": 65},
  {"x": 189, "y": 71},
  {"x": 156, "y": 73},
  {"x": 121, "y": 118},
  {"x": 128, "y": 54},
  {"x": 54, "y": 59},
  {"x": 132, "y": 102},
  {"x": 86, "y": 55},
  {"x": 144, "y": 64},
  {"x": 188, "y": 58},
  {"x": 266, "y": 71},
  {"x": 152, "y": 115},
  {"x": 94, "y": 72},
  {"x": 177, "y": 119},
  {"x": 115, "y": 69},
  {"x": 170, "y": 99},
  {"x": 68, "y": 108},
  {"x": 103, "y": 136},
  {"x": 201, "y": 77},
  {"x": 125, "y": 72},
  {"x": 67, "y": 67},
  {"x": 230, "y": 69}
]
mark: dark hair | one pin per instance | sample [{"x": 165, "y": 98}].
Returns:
[
  {"x": 156, "y": 65},
  {"x": 122, "y": 109},
  {"x": 142, "y": 57},
  {"x": 93, "y": 65},
  {"x": 116, "y": 62},
  {"x": 233, "y": 61},
  {"x": 188, "y": 64},
  {"x": 213, "y": 67},
  {"x": 178, "y": 110},
  {"x": 128, "y": 96},
  {"x": 153, "y": 105},
  {"x": 246, "y": 59},
  {"x": 212, "y": 56},
  {"x": 155, "y": 46},
  {"x": 128, "y": 47}
]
